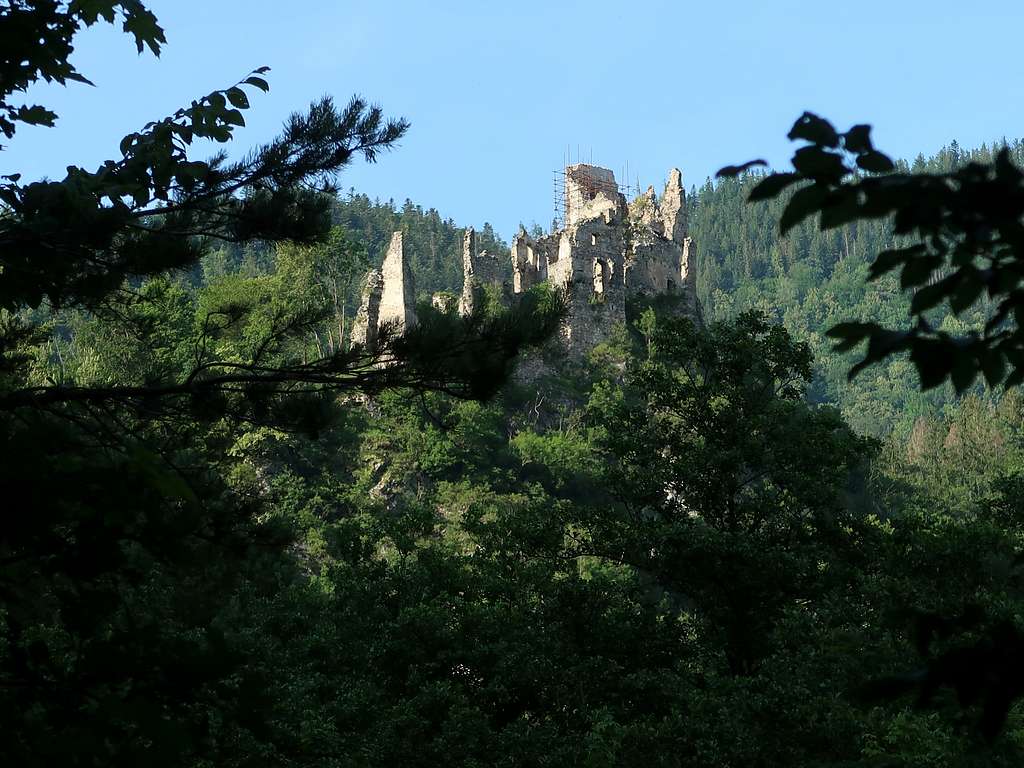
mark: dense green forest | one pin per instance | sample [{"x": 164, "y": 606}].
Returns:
[
  {"x": 233, "y": 539},
  {"x": 436, "y": 580},
  {"x": 810, "y": 280},
  {"x": 433, "y": 245}
]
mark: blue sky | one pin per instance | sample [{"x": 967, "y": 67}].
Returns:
[{"x": 496, "y": 92}]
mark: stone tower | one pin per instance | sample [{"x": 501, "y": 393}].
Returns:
[
  {"x": 608, "y": 251},
  {"x": 398, "y": 298},
  {"x": 389, "y": 298}
]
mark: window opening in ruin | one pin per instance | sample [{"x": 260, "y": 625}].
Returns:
[
  {"x": 593, "y": 239},
  {"x": 598, "y": 277}
]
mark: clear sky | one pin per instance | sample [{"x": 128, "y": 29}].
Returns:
[{"x": 496, "y": 92}]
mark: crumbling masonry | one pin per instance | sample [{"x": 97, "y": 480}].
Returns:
[
  {"x": 389, "y": 298},
  {"x": 609, "y": 250}
]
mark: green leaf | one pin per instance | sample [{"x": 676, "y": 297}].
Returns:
[
  {"x": 927, "y": 297},
  {"x": 91, "y": 10},
  {"x": 814, "y": 129},
  {"x": 858, "y": 139},
  {"x": 817, "y": 163},
  {"x": 967, "y": 291},
  {"x": 126, "y": 143},
  {"x": 886, "y": 261},
  {"x": 165, "y": 480},
  {"x": 917, "y": 271},
  {"x": 881, "y": 344},
  {"x": 849, "y": 335},
  {"x": 875, "y": 162},
  {"x": 993, "y": 366},
  {"x": 804, "y": 203},
  {"x": 237, "y": 97},
  {"x": 772, "y": 185},
  {"x": 258, "y": 82},
  {"x": 841, "y": 208},
  {"x": 964, "y": 371},
  {"x": 194, "y": 169},
  {"x": 141, "y": 23},
  {"x": 933, "y": 360},
  {"x": 735, "y": 170},
  {"x": 78, "y": 78},
  {"x": 36, "y": 115}
]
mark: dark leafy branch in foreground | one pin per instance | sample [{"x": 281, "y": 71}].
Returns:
[
  {"x": 37, "y": 43},
  {"x": 465, "y": 357},
  {"x": 76, "y": 240},
  {"x": 960, "y": 235}
]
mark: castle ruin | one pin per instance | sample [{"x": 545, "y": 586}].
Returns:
[{"x": 607, "y": 251}]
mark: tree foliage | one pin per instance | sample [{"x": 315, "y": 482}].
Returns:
[
  {"x": 959, "y": 240},
  {"x": 231, "y": 538},
  {"x": 136, "y": 410},
  {"x": 38, "y": 40}
]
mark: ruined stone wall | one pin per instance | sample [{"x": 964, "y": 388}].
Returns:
[
  {"x": 480, "y": 271},
  {"x": 607, "y": 252},
  {"x": 658, "y": 231},
  {"x": 364, "y": 328},
  {"x": 530, "y": 260},
  {"x": 655, "y": 268},
  {"x": 398, "y": 297},
  {"x": 589, "y": 191},
  {"x": 594, "y": 274}
]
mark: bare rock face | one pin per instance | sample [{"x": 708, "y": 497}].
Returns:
[
  {"x": 364, "y": 329},
  {"x": 398, "y": 298},
  {"x": 689, "y": 271}
]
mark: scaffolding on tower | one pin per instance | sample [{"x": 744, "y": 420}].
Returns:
[{"x": 586, "y": 186}]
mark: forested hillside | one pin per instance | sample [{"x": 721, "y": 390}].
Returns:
[
  {"x": 433, "y": 246},
  {"x": 233, "y": 538},
  {"x": 810, "y": 280}
]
